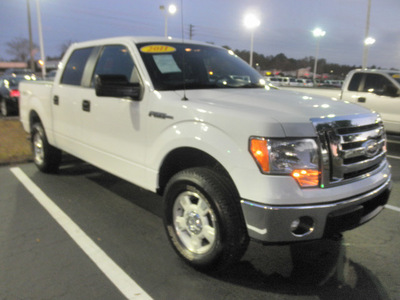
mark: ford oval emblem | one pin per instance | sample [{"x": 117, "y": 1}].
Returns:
[{"x": 371, "y": 148}]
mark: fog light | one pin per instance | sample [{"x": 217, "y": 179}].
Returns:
[
  {"x": 295, "y": 224},
  {"x": 302, "y": 226}
]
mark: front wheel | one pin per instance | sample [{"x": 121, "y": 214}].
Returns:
[
  {"x": 46, "y": 157},
  {"x": 203, "y": 219}
]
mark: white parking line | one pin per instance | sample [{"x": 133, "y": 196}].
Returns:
[
  {"x": 128, "y": 287},
  {"x": 392, "y": 156},
  {"x": 393, "y": 207}
]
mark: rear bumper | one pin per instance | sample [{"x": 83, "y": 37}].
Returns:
[{"x": 277, "y": 224}]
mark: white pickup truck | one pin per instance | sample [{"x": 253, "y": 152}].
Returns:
[
  {"x": 378, "y": 90},
  {"x": 232, "y": 158}
]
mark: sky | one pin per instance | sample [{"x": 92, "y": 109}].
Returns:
[{"x": 286, "y": 25}]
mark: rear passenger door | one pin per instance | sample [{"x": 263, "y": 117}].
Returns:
[{"x": 65, "y": 100}]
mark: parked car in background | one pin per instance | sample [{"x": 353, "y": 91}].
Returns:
[
  {"x": 276, "y": 81},
  {"x": 19, "y": 72},
  {"x": 293, "y": 82},
  {"x": 285, "y": 81},
  {"x": 378, "y": 90},
  {"x": 332, "y": 83},
  {"x": 51, "y": 75},
  {"x": 309, "y": 83},
  {"x": 301, "y": 82},
  {"x": 9, "y": 94}
]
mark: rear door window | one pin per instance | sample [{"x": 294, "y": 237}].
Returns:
[
  {"x": 355, "y": 82},
  {"x": 73, "y": 71}
]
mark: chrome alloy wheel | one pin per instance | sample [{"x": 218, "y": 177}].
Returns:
[
  {"x": 38, "y": 151},
  {"x": 195, "y": 222}
]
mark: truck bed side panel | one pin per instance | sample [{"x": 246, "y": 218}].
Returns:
[{"x": 36, "y": 97}]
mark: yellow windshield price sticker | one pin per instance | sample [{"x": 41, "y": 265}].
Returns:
[
  {"x": 157, "y": 49},
  {"x": 396, "y": 76}
]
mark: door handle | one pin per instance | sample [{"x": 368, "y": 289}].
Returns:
[
  {"x": 86, "y": 105},
  {"x": 56, "y": 100},
  {"x": 362, "y": 99}
]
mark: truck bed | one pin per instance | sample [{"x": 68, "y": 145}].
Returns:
[{"x": 35, "y": 94}]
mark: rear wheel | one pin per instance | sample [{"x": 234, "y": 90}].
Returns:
[
  {"x": 203, "y": 219},
  {"x": 4, "y": 108},
  {"x": 46, "y": 157}
]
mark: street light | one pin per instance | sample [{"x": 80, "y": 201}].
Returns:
[
  {"x": 365, "y": 48},
  {"x": 251, "y": 22},
  {"x": 31, "y": 58},
  {"x": 171, "y": 10},
  {"x": 318, "y": 33},
  {"x": 42, "y": 57},
  {"x": 367, "y": 43}
]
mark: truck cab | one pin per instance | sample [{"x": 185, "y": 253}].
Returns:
[{"x": 378, "y": 90}]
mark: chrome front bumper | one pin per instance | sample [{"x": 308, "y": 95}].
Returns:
[{"x": 281, "y": 224}]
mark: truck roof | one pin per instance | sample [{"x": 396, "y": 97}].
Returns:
[
  {"x": 137, "y": 40},
  {"x": 375, "y": 71}
]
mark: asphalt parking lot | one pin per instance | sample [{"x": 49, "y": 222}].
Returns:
[{"x": 85, "y": 234}]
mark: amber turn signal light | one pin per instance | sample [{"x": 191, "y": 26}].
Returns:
[
  {"x": 306, "y": 177},
  {"x": 259, "y": 150}
]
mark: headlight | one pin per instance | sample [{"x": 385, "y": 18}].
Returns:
[{"x": 296, "y": 157}]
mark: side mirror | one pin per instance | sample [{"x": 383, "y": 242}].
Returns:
[{"x": 117, "y": 86}]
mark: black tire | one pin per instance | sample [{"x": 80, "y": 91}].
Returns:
[
  {"x": 203, "y": 219},
  {"x": 46, "y": 157},
  {"x": 4, "y": 108}
]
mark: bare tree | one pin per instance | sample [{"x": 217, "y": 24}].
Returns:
[
  {"x": 64, "y": 47},
  {"x": 19, "y": 49}
]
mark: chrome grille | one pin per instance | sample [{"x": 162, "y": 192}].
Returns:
[{"x": 351, "y": 148}]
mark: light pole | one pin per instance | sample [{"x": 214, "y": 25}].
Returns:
[
  {"x": 367, "y": 43},
  {"x": 42, "y": 56},
  {"x": 251, "y": 22},
  {"x": 31, "y": 58},
  {"x": 365, "y": 48},
  {"x": 318, "y": 33},
  {"x": 171, "y": 11}
]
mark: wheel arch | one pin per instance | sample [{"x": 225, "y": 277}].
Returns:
[
  {"x": 33, "y": 118},
  {"x": 183, "y": 158}
]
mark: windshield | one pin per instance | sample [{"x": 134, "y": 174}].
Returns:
[{"x": 174, "y": 66}]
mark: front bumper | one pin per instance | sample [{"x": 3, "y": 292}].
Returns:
[{"x": 281, "y": 224}]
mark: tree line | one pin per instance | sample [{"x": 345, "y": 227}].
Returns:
[{"x": 284, "y": 64}]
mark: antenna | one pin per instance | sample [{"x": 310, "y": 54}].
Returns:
[{"x": 183, "y": 57}]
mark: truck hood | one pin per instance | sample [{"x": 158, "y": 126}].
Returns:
[{"x": 293, "y": 110}]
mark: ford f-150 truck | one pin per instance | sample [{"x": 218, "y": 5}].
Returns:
[
  {"x": 378, "y": 90},
  {"x": 232, "y": 158}
]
